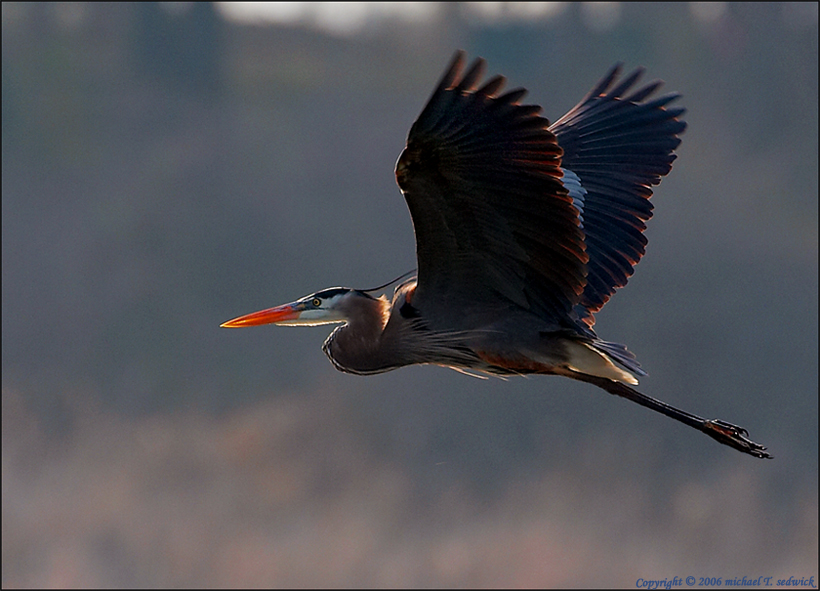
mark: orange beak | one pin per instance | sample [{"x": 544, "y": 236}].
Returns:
[{"x": 270, "y": 316}]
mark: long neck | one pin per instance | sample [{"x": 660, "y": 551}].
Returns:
[{"x": 358, "y": 346}]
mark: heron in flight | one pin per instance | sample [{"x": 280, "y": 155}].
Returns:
[{"x": 524, "y": 229}]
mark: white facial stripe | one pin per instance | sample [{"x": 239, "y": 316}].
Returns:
[
  {"x": 314, "y": 314},
  {"x": 317, "y": 316}
]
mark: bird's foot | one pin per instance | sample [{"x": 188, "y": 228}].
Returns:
[{"x": 734, "y": 436}]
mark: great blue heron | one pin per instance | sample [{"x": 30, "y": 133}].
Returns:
[{"x": 523, "y": 231}]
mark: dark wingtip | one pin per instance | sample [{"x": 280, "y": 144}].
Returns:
[
  {"x": 471, "y": 78},
  {"x": 605, "y": 82},
  {"x": 452, "y": 71}
]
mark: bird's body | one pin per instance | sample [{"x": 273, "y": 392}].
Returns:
[
  {"x": 503, "y": 341},
  {"x": 523, "y": 231}
]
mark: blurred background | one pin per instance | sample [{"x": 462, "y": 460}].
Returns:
[{"x": 169, "y": 166}]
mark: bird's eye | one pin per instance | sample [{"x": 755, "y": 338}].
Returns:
[{"x": 316, "y": 302}]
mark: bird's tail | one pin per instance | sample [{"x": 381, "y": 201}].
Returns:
[{"x": 621, "y": 355}]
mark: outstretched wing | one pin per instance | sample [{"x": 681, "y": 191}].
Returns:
[
  {"x": 494, "y": 223},
  {"x": 616, "y": 146}
]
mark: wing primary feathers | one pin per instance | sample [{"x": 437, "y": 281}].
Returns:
[
  {"x": 618, "y": 146},
  {"x": 473, "y": 75},
  {"x": 451, "y": 73},
  {"x": 627, "y": 83},
  {"x": 604, "y": 83},
  {"x": 492, "y": 86}
]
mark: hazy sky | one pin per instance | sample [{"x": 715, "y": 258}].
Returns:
[
  {"x": 350, "y": 18},
  {"x": 347, "y": 18}
]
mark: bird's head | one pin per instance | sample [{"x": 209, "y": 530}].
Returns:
[{"x": 328, "y": 306}]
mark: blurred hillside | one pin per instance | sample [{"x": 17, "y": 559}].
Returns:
[{"x": 165, "y": 170}]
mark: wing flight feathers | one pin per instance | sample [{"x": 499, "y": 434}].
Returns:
[
  {"x": 619, "y": 147},
  {"x": 494, "y": 224},
  {"x": 509, "y": 210}
]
